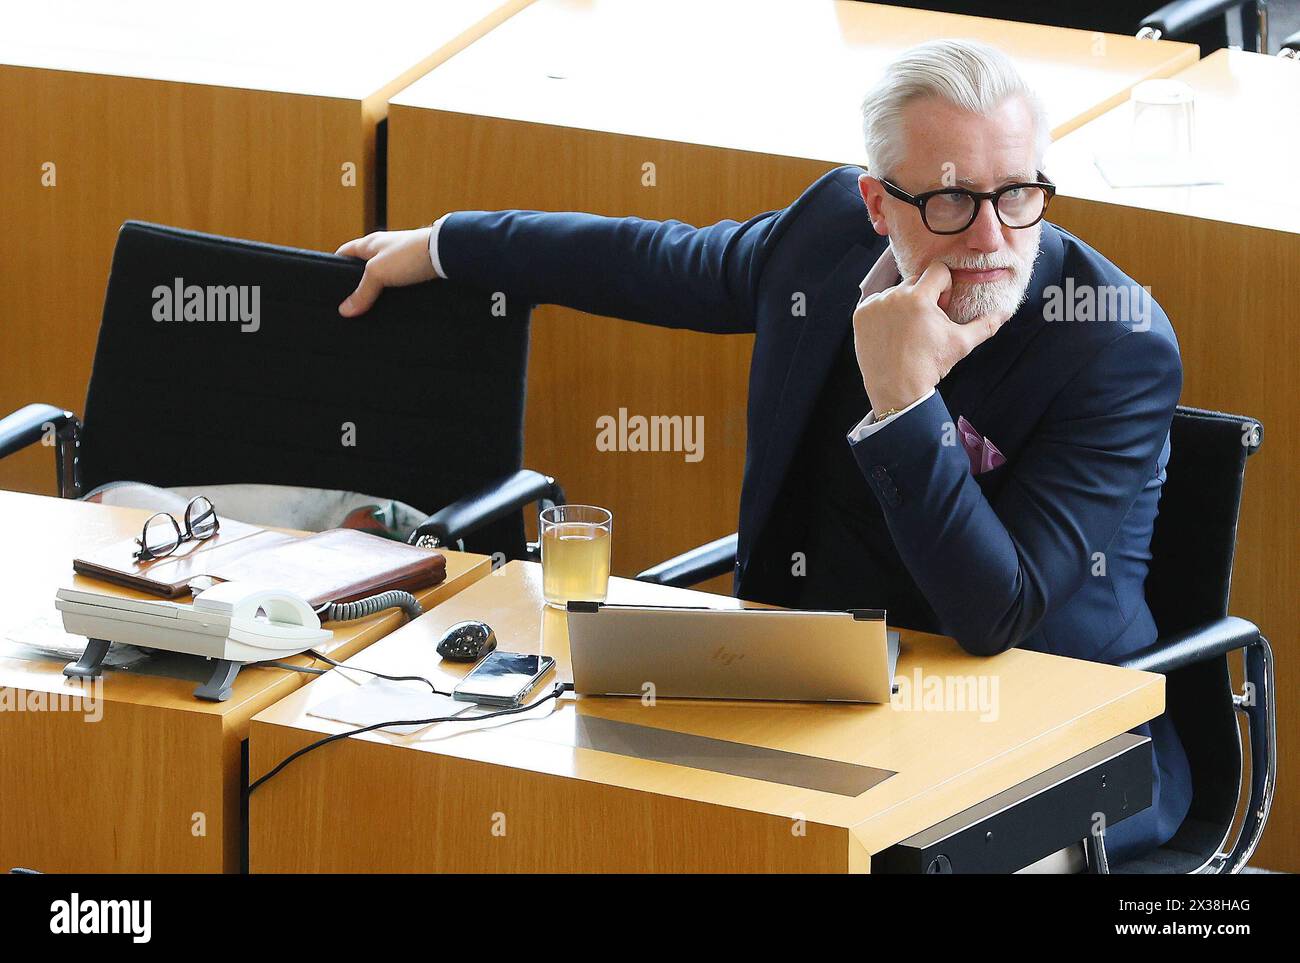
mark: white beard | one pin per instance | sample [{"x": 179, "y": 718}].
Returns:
[{"x": 970, "y": 301}]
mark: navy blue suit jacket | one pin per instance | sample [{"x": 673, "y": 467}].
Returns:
[{"x": 1049, "y": 551}]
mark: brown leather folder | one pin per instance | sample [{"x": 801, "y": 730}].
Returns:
[{"x": 339, "y": 565}]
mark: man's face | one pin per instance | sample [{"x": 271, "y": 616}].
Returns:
[{"x": 945, "y": 146}]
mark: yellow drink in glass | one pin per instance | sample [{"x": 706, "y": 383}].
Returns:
[{"x": 576, "y": 548}]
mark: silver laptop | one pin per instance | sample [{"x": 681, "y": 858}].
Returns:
[{"x": 700, "y": 653}]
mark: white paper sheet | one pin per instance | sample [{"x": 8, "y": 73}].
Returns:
[
  {"x": 379, "y": 700},
  {"x": 43, "y": 639}
]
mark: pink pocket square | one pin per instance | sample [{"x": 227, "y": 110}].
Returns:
[{"x": 983, "y": 454}]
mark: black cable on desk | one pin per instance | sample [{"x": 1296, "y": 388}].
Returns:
[
  {"x": 379, "y": 675},
  {"x": 556, "y": 691}
]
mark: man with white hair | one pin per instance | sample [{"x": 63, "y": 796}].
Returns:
[{"x": 938, "y": 433}]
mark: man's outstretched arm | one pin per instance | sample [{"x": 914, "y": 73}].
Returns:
[{"x": 658, "y": 272}]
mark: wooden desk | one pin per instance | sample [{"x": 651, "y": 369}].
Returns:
[
  {"x": 1224, "y": 263},
  {"x": 430, "y": 802},
  {"x": 153, "y": 784},
  {"x": 257, "y": 120},
  {"x": 738, "y": 107},
  {"x": 1242, "y": 103}
]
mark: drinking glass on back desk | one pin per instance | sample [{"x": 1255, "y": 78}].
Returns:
[{"x": 576, "y": 541}]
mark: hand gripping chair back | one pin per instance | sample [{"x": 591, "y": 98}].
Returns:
[{"x": 226, "y": 361}]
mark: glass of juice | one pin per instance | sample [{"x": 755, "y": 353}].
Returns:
[{"x": 575, "y": 553}]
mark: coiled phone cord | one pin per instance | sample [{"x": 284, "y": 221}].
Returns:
[{"x": 347, "y": 611}]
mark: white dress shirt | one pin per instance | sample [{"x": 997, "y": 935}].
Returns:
[{"x": 433, "y": 246}]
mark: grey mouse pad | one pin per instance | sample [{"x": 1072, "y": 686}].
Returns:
[{"x": 732, "y": 758}]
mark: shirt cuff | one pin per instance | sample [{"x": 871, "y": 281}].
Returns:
[
  {"x": 433, "y": 246},
  {"x": 869, "y": 426}
]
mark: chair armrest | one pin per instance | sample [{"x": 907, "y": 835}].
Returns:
[
  {"x": 1175, "y": 19},
  {"x": 1256, "y": 701},
  {"x": 1203, "y": 642},
  {"x": 490, "y": 503},
  {"x": 28, "y": 425},
  {"x": 716, "y": 558}
]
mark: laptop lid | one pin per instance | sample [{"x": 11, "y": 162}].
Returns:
[{"x": 700, "y": 653}]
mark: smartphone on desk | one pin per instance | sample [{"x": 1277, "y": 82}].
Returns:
[{"x": 503, "y": 679}]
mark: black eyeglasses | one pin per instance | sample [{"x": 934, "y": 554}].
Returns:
[
  {"x": 162, "y": 534},
  {"x": 950, "y": 210}
]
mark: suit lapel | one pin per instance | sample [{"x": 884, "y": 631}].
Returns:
[{"x": 977, "y": 380}]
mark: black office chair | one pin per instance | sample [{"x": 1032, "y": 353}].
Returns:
[
  {"x": 1192, "y": 549},
  {"x": 1190, "y": 20},
  {"x": 428, "y": 386},
  {"x": 1202, "y": 22}
]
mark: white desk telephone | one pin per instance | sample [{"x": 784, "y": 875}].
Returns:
[{"x": 234, "y": 623}]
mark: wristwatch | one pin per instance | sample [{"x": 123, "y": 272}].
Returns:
[{"x": 887, "y": 413}]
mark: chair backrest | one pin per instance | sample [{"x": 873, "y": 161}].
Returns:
[
  {"x": 226, "y": 361},
  {"x": 1192, "y": 551},
  {"x": 1195, "y": 537}
]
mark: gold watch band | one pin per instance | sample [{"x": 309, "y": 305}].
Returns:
[{"x": 888, "y": 412}]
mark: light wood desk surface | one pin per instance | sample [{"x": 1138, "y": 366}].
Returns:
[
  {"x": 121, "y": 793},
  {"x": 1244, "y": 127},
  {"x": 739, "y": 107},
  {"x": 784, "y": 78},
  {"x": 328, "y": 48},
  {"x": 1224, "y": 263},
  {"x": 429, "y": 801},
  {"x": 249, "y": 119}
]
